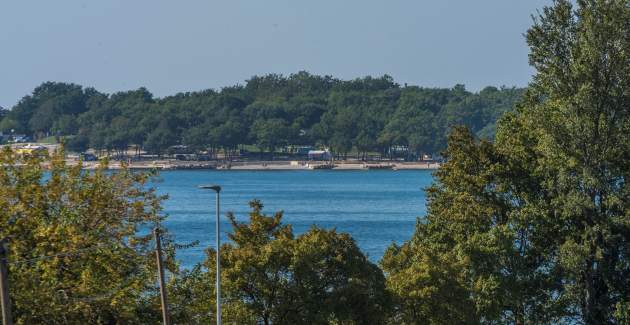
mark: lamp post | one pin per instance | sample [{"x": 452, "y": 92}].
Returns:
[{"x": 217, "y": 189}]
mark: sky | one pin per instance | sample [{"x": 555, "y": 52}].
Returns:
[{"x": 176, "y": 46}]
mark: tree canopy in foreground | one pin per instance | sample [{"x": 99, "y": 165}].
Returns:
[
  {"x": 80, "y": 252},
  {"x": 76, "y": 253},
  {"x": 270, "y": 276},
  {"x": 535, "y": 228}
]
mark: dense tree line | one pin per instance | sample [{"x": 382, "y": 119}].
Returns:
[{"x": 272, "y": 111}]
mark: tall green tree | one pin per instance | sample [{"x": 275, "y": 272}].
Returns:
[
  {"x": 160, "y": 139},
  {"x": 476, "y": 257},
  {"x": 269, "y": 276},
  {"x": 271, "y": 133},
  {"x": 578, "y": 109},
  {"x": 535, "y": 228},
  {"x": 77, "y": 254}
]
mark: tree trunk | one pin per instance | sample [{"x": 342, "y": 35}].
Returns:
[{"x": 596, "y": 292}]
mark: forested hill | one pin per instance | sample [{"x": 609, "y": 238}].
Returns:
[{"x": 366, "y": 115}]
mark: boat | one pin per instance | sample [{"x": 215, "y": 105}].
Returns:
[
  {"x": 320, "y": 166},
  {"x": 379, "y": 166}
]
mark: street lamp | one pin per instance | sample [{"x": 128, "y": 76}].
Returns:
[{"x": 217, "y": 189}]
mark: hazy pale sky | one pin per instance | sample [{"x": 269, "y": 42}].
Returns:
[{"x": 171, "y": 46}]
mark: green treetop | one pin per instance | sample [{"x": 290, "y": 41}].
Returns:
[
  {"x": 269, "y": 276},
  {"x": 77, "y": 254},
  {"x": 535, "y": 228}
]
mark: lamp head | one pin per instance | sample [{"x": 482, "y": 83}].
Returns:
[{"x": 213, "y": 187}]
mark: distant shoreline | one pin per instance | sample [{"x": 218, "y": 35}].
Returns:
[
  {"x": 266, "y": 166},
  {"x": 250, "y": 165}
]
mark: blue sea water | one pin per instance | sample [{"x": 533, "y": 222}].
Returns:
[{"x": 376, "y": 207}]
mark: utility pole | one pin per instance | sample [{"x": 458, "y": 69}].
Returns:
[
  {"x": 158, "y": 254},
  {"x": 4, "y": 284}
]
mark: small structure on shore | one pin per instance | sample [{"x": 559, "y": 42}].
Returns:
[{"x": 319, "y": 155}]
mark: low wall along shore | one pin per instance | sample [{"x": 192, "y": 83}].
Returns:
[{"x": 267, "y": 165}]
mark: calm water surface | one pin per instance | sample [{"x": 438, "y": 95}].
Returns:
[{"x": 375, "y": 207}]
